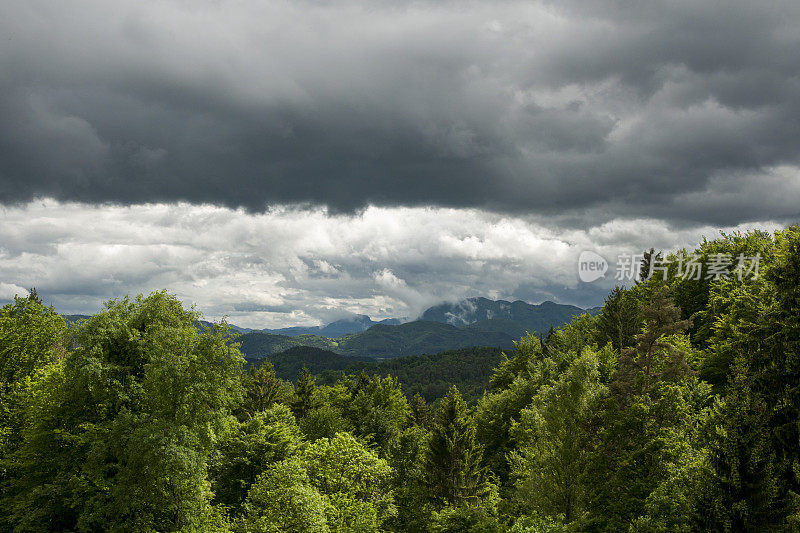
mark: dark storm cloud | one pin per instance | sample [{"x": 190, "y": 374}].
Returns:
[{"x": 645, "y": 109}]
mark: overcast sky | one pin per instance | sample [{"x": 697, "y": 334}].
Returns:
[{"x": 291, "y": 162}]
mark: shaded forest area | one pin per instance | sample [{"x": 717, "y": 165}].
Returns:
[
  {"x": 675, "y": 409},
  {"x": 430, "y": 376}
]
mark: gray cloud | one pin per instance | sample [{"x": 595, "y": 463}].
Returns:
[{"x": 580, "y": 111}]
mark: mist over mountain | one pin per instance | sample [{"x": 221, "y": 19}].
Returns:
[
  {"x": 513, "y": 318},
  {"x": 482, "y": 314},
  {"x": 448, "y": 326}
]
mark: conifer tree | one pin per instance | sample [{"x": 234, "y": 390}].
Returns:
[
  {"x": 618, "y": 322},
  {"x": 453, "y": 466},
  {"x": 742, "y": 490},
  {"x": 262, "y": 388},
  {"x": 304, "y": 392},
  {"x": 653, "y": 358},
  {"x": 421, "y": 414}
]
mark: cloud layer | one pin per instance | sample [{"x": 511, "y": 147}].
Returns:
[
  {"x": 680, "y": 111},
  {"x": 291, "y": 266}
]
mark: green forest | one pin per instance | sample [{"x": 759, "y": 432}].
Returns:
[
  {"x": 676, "y": 408},
  {"x": 430, "y": 376}
]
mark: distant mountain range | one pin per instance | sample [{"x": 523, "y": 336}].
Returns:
[
  {"x": 513, "y": 318},
  {"x": 448, "y": 326},
  {"x": 344, "y": 326}
]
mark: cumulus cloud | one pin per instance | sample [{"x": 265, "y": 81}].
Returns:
[
  {"x": 559, "y": 109},
  {"x": 291, "y": 266}
]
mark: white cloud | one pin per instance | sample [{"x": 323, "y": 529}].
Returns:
[
  {"x": 292, "y": 266},
  {"x": 9, "y": 290}
]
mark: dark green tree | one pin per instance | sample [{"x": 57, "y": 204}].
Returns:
[
  {"x": 742, "y": 490},
  {"x": 644, "y": 422},
  {"x": 406, "y": 456},
  {"x": 261, "y": 388},
  {"x": 619, "y": 321},
  {"x": 650, "y": 260},
  {"x": 421, "y": 413},
  {"x": 455, "y": 473},
  {"x": 248, "y": 449},
  {"x": 653, "y": 358},
  {"x": 304, "y": 394}
]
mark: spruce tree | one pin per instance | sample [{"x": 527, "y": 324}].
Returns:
[
  {"x": 454, "y": 471},
  {"x": 304, "y": 392},
  {"x": 421, "y": 414},
  {"x": 618, "y": 322},
  {"x": 262, "y": 388}
]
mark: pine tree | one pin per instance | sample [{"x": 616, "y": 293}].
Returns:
[
  {"x": 652, "y": 359},
  {"x": 648, "y": 260},
  {"x": 453, "y": 466}
]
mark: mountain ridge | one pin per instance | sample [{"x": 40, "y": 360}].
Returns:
[{"x": 447, "y": 326}]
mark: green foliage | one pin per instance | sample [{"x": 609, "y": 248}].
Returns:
[
  {"x": 455, "y": 474},
  {"x": 420, "y": 412},
  {"x": 742, "y": 488},
  {"x": 619, "y": 320},
  {"x": 305, "y": 394},
  {"x": 31, "y": 337},
  {"x": 515, "y": 382},
  {"x": 248, "y": 449},
  {"x": 539, "y": 524},
  {"x": 647, "y": 422},
  {"x": 656, "y": 356},
  {"x": 676, "y": 409},
  {"x": 136, "y": 402},
  {"x": 324, "y": 421},
  {"x": 283, "y": 500},
  {"x": 351, "y": 474},
  {"x": 692, "y": 295},
  {"x": 262, "y": 389},
  {"x": 376, "y": 408},
  {"x": 335, "y": 485},
  {"x": 406, "y": 456},
  {"x": 464, "y": 519},
  {"x": 553, "y": 435}
]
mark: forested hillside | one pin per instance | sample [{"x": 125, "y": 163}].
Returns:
[
  {"x": 513, "y": 318},
  {"x": 380, "y": 341},
  {"x": 677, "y": 408},
  {"x": 428, "y": 375},
  {"x": 449, "y": 326}
]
